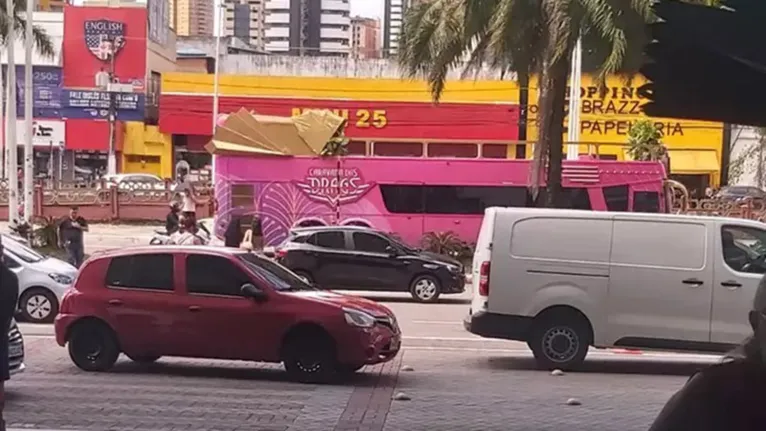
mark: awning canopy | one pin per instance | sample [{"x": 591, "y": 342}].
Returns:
[{"x": 248, "y": 133}]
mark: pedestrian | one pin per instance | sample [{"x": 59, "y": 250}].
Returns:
[
  {"x": 233, "y": 234},
  {"x": 188, "y": 199},
  {"x": 253, "y": 239},
  {"x": 729, "y": 396},
  {"x": 9, "y": 295},
  {"x": 186, "y": 234},
  {"x": 71, "y": 236}
]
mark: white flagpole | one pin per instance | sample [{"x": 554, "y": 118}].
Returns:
[
  {"x": 28, "y": 117},
  {"x": 10, "y": 120},
  {"x": 220, "y": 11}
]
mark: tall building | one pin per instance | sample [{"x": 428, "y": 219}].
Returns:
[
  {"x": 192, "y": 17},
  {"x": 244, "y": 19},
  {"x": 393, "y": 16},
  {"x": 365, "y": 37},
  {"x": 308, "y": 27}
]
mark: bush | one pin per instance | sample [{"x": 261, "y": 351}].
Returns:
[{"x": 446, "y": 243}]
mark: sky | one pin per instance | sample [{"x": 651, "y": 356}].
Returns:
[{"x": 367, "y": 8}]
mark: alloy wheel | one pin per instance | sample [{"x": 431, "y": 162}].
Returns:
[
  {"x": 425, "y": 289},
  {"x": 38, "y": 307}
]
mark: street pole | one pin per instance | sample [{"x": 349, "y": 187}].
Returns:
[
  {"x": 10, "y": 120},
  {"x": 29, "y": 150},
  {"x": 215, "y": 82},
  {"x": 111, "y": 161},
  {"x": 575, "y": 79}
]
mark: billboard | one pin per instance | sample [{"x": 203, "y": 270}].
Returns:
[
  {"x": 46, "y": 88},
  {"x": 94, "y": 104},
  {"x": 45, "y": 133},
  {"x": 91, "y": 33},
  {"x": 158, "y": 20}
]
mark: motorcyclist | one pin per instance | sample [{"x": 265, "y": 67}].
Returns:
[{"x": 172, "y": 219}]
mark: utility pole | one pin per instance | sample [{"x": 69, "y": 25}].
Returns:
[
  {"x": 29, "y": 150},
  {"x": 111, "y": 161},
  {"x": 11, "y": 145}
]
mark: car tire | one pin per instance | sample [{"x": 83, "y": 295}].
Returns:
[
  {"x": 425, "y": 288},
  {"x": 560, "y": 339},
  {"x": 310, "y": 358},
  {"x": 305, "y": 276},
  {"x": 144, "y": 359},
  {"x": 38, "y": 305},
  {"x": 93, "y": 346}
]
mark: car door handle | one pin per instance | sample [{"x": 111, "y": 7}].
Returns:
[
  {"x": 731, "y": 284},
  {"x": 195, "y": 308},
  {"x": 115, "y": 302},
  {"x": 693, "y": 282}
]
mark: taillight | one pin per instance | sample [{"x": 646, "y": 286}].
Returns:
[
  {"x": 484, "y": 279},
  {"x": 280, "y": 253}
]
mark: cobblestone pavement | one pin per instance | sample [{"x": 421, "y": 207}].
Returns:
[{"x": 459, "y": 382}]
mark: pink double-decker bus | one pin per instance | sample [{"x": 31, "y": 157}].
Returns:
[{"x": 414, "y": 196}]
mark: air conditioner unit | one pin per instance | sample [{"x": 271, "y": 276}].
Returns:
[{"x": 102, "y": 79}]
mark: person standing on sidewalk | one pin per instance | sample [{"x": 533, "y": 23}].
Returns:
[
  {"x": 188, "y": 200},
  {"x": 71, "y": 236},
  {"x": 9, "y": 296}
]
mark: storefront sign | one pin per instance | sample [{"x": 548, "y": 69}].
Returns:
[
  {"x": 104, "y": 38},
  {"x": 95, "y": 104},
  {"x": 46, "y": 87},
  {"x": 45, "y": 133}
]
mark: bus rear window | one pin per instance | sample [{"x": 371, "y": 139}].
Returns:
[{"x": 646, "y": 202}]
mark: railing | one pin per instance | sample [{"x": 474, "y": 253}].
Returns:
[{"x": 98, "y": 201}]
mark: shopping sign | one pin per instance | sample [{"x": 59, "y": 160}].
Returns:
[
  {"x": 45, "y": 133},
  {"x": 104, "y": 38},
  {"x": 334, "y": 186}
]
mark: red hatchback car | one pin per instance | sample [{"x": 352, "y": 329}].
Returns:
[{"x": 205, "y": 302}]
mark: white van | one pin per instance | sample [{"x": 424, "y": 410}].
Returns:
[{"x": 563, "y": 280}]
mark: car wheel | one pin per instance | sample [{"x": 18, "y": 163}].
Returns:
[
  {"x": 425, "y": 288},
  {"x": 148, "y": 359},
  {"x": 560, "y": 340},
  {"x": 38, "y": 305},
  {"x": 93, "y": 346},
  {"x": 305, "y": 276},
  {"x": 310, "y": 358}
]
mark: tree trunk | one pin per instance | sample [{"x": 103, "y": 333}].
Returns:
[
  {"x": 552, "y": 86},
  {"x": 521, "y": 149}
]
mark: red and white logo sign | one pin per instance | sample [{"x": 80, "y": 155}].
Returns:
[{"x": 334, "y": 186}]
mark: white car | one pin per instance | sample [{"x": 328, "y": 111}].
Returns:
[
  {"x": 42, "y": 280},
  {"x": 136, "y": 182}
]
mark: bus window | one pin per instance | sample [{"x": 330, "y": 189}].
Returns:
[
  {"x": 646, "y": 202},
  {"x": 472, "y": 199},
  {"x": 616, "y": 198},
  {"x": 573, "y": 198},
  {"x": 402, "y": 199}
]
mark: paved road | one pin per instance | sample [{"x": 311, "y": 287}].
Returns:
[{"x": 460, "y": 382}]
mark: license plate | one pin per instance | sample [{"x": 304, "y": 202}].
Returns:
[{"x": 15, "y": 350}]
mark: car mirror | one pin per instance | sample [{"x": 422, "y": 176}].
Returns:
[{"x": 251, "y": 291}]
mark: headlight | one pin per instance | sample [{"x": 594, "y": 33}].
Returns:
[
  {"x": 358, "y": 318},
  {"x": 61, "y": 278},
  {"x": 452, "y": 268}
]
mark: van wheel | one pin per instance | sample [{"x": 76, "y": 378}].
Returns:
[
  {"x": 560, "y": 340},
  {"x": 93, "y": 346},
  {"x": 425, "y": 288},
  {"x": 310, "y": 358},
  {"x": 38, "y": 305}
]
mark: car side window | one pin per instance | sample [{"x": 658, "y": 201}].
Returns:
[
  {"x": 370, "y": 243},
  {"x": 141, "y": 271},
  {"x": 334, "y": 240},
  {"x": 214, "y": 275},
  {"x": 744, "y": 249}
]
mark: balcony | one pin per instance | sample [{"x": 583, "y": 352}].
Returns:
[
  {"x": 277, "y": 18},
  {"x": 335, "y": 5},
  {"x": 335, "y": 33},
  {"x": 277, "y": 46},
  {"x": 335, "y": 19},
  {"x": 277, "y": 4},
  {"x": 278, "y": 32},
  {"x": 334, "y": 47}
]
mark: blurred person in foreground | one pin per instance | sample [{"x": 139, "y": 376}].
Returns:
[
  {"x": 730, "y": 396},
  {"x": 186, "y": 234},
  {"x": 9, "y": 295},
  {"x": 233, "y": 235}
]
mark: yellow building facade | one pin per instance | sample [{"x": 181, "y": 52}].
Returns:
[
  {"x": 694, "y": 146},
  {"x": 147, "y": 150}
]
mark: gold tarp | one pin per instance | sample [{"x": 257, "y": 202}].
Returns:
[{"x": 247, "y": 133}]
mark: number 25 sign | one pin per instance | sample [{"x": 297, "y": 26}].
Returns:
[{"x": 361, "y": 118}]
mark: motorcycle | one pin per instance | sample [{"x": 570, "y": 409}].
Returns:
[{"x": 161, "y": 236}]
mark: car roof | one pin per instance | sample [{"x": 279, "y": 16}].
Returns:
[
  {"x": 312, "y": 229},
  {"x": 154, "y": 249}
]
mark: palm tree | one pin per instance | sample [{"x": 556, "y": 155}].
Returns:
[
  {"x": 42, "y": 41},
  {"x": 528, "y": 37}
]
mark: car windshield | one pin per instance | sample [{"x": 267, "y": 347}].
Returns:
[
  {"x": 279, "y": 277},
  {"x": 21, "y": 251},
  {"x": 736, "y": 191}
]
